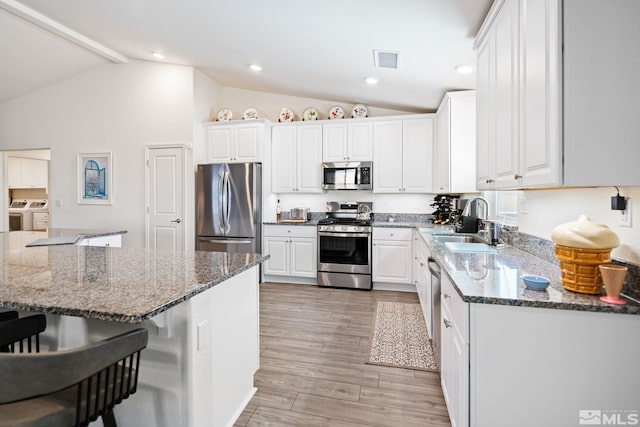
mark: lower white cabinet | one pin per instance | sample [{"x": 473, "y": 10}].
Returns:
[
  {"x": 392, "y": 256},
  {"x": 422, "y": 278},
  {"x": 454, "y": 365},
  {"x": 293, "y": 251}
]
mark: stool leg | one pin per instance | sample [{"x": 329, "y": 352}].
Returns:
[{"x": 108, "y": 419}]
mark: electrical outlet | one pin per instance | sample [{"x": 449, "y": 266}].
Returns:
[
  {"x": 202, "y": 335},
  {"x": 625, "y": 215}
]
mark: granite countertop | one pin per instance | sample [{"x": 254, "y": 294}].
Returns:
[
  {"x": 116, "y": 284},
  {"x": 69, "y": 236},
  {"x": 494, "y": 278},
  {"x": 312, "y": 222}
]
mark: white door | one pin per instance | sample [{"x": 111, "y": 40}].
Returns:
[
  {"x": 334, "y": 142},
  {"x": 360, "y": 139},
  {"x": 279, "y": 250},
  {"x": 165, "y": 196},
  {"x": 417, "y": 156},
  {"x": 387, "y": 156},
  {"x": 309, "y": 159},
  {"x": 304, "y": 257},
  {"x": 392, "y": 261},
  {"x": 283, "y": 159}
]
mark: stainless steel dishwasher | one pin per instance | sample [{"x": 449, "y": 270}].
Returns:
[{"x": 434, "y": 268}]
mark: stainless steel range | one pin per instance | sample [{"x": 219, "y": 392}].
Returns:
[{"x": 344, "y": 246}]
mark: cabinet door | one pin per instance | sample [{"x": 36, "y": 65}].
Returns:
[
  {"x": 279, "y": 261},
  {"x": 304, "y": 257},
  {"x": 309, "y": 159},
  {"x": 442, "y": 148},
  {"x": 14, "y": 172},
  {"x": 417, "y": 156},
  {"x": 540, "y": 88},
  {"x": 248, "y": 141},
  {"x": 360, "y": 142},
  {"x": 283, "y": 159},
  {"x": 387, "y": 156},
  {"x": 392, "y": 261},
  {"x": 485, "y": 146},
  {"x": 334, "y": 142},
  {"x": 220, "y": 140},
  {"x": 505, "y": 124}
]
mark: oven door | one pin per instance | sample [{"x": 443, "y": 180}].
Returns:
[{"x": 344, "y": 252}]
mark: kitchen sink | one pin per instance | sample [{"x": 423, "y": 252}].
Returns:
[{"x": 456, "y": 238}]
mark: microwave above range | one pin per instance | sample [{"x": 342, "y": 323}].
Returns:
[{"x": 347, "y": 176}]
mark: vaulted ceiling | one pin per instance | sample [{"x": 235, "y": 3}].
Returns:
[{"x": 320, "y": 50}]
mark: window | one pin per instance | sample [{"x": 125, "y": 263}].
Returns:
[{"x": 503, "y": 206}]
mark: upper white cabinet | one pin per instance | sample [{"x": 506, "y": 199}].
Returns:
[
  {"x": 296, "y": 156},
  {"x": 231, "y": 142},
  {"x": 455, "y": 142},
  {"x": 347, "y": 141},
  {"x": 403, "y": 156},
  {"x": 24, "y": 172},
  {"x": 549, "y": 75}
]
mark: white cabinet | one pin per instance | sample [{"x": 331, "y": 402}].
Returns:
[
  {"x": 422, "y": 278},
  {"x": 296, "y": 157},
  {"x": 454, "y": 369},
  {"x": 235, "y": 142},
  {"x": 40, "y": 220},
  {"x": 24, "y": 172},
  {"x": 498, "y": 147},
  {"x": 537, "y": 64},
  {"x": 347, "y": 141},
  {"x": 455, "y": 143},
  {"x": 402, "y": 153},
  {"x": 392, "y": 256},
  {"x": 292, "y": 249}
]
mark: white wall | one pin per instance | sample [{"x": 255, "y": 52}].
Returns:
[
  {"x": 115, "y": 107},
  {"x": 548, "y": 208}
]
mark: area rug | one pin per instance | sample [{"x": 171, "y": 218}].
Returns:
[{"x": 399, "y": 337}]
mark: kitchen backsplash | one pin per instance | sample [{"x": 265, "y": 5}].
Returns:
[{"x": 544, "y": 249}]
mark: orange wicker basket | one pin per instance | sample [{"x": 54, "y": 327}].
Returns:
[{"x": 579, "y": 268}]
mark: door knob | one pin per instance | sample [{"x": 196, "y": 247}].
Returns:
[{"x": 177, "y": 220}]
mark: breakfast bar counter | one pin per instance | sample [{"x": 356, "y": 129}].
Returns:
[{"x": 201, "y": 310}]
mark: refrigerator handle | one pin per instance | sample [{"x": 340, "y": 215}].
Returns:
[
  {"x": 227, "y": 204},
  {"x": 221, "y": 202}
]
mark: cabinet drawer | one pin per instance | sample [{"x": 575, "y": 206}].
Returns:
[
  {"x": 290, "y": 231},
  {"x": 454, "y": 304},
  {"x": 395, "y": 233}
]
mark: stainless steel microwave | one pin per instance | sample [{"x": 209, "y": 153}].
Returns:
[{"x": 347, "y": 176}]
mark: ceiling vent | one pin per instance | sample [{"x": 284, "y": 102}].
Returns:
[{"x": 386, "y": 59}]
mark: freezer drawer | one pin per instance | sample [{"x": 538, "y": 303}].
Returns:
[{"x": 215, "y": 244}]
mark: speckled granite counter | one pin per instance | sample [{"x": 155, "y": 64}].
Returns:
[
  {"x": 116, "y": 284},
  {"x": 495, "y": 279},
  {"x": 68, "y": 236},
  {"x": 311, "y": 222}
]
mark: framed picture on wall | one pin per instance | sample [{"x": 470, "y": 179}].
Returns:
[{"x": 95, "y": 179}]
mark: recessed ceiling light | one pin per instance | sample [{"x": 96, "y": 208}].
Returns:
[
  {"x": 255, "y": 67},
  {"x": 371, "y": 80},
  {"x": 157, "y": 55},
  {"x": 464, "y": 69}
]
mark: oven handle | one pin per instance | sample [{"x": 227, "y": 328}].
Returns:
[{"x": 332, "y": 234}]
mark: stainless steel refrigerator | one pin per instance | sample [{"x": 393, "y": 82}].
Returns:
[{"x": 229, "y": 207}]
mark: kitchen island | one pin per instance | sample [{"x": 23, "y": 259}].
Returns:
[{"x": 201, "y": 309}]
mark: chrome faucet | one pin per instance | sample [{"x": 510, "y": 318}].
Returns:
[
  {"x": 467, "y": 208},
  {"x": 492, "y": 229}
]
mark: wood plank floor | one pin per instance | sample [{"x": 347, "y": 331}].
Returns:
[{"x": 313, "y": 344}]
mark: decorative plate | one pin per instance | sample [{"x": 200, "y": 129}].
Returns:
[
  {"x": 359, "y": 111},
  {"x": 250, "y": 114},
  {"x": 336, "y": 112},
  {"x": 286, "y": 115},
  {"x": 310, "y": 114},
  {"x": 224, "y": 115}
]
